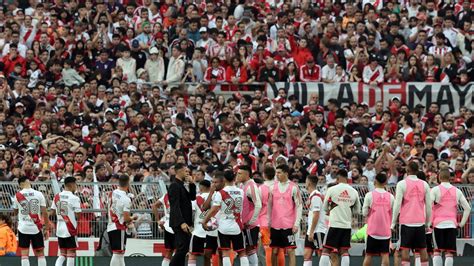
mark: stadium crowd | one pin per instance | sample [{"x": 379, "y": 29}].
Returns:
[
  {"x": 94, "y": 85},
  {"x": 98, "y": 89}
]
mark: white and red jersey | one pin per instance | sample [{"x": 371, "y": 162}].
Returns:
[
  {"x": 199, "y": 215},
  {"x": 252, "y": 204},
  {"x": 439, "y": 51},
  {"x": 118, "y": 204},
  {"x": 220, "y": 51},
  {"x": 230, "y": 200},
  {"x": 315, "y": 204},
  {"x": 241, "y": 159},
  {"x": 308, "y": 73},
  {"x": 166, "y": 210},
  {"x": 28, "y": 202},
  {"x": 66, "y": 205},
  {"x": 370, "y": 75}
]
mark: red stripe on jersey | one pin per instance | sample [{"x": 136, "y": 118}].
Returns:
[
  {"x": 237, "y": 214},
  {"x": 114, "y": 216},
  {"x": 70, "y": 227},
  {"x": 34, "y": 216}
]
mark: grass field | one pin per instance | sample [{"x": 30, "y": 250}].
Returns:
[{"x": 156, "y": 261}]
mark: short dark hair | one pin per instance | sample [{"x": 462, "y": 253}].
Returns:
[
  {"x": 124, "y": 180},
  {"x": 412, "y": 167},
  {"x": 218, "y": 174},
  {"x": 284, "y": 168},
  {"x": 313, "y": 179},
  {"x": 246, "y": 168},
  {"x": 22, "y": 179},
  {"x": 381, "y": 178},
  {"x": 205, "y": 183},
  {"x": 69, "y": 180},
  {"x": 229, "y": 175},
  {"x": 179, "y": 166},
  {"x": 269, "y": 172},
  {"x": 342, "y": 173}
]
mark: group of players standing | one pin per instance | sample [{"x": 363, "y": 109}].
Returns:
[{"x": 235, "y": 213}]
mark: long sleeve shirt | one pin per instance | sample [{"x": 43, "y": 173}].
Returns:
[
  {"x": 461, "y": 200},
  {"x": 296, "y": 195},
  {"x": 400, "y": 193}
]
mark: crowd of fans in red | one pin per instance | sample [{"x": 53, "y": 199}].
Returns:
[{"x": 91, "y": 87}]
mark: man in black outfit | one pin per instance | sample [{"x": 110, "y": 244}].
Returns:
[{"x": 181, "y": 212}]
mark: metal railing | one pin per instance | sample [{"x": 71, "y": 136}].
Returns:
[{"x": 93, "y": 219}]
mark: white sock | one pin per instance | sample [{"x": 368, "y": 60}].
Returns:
[
  {"x": 253, "y": 259},
  {"x": 437, "y": 260},
  {"x": 41, "y": 261},
  {"x": 191, "y": 262},
  {"x": 25, "y": 261},
  {"x": 226, "y": 261},
  {"x": 70, "y": 261},
  {"x": 345, "y": 261},
  {"x": 417, "y": 260},
  {"x": 324, "y": 261},
  {"x": 165, "y": 262},
  {"x": 244, "y": 261},
  {"x": 449, "y": 261},
  {"x": 115, "y": 261},
  {"x": 59, "y": 262},
  {"x": 308, "y": 263},
  {"x": 122, "y": 259}
]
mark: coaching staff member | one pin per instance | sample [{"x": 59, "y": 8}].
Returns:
[{"x": 181, "y": 212}]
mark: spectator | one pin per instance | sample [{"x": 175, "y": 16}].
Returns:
[
  {"x": 412, "y": 71},
  {"x": 373, "y": 73},
  {"x": 310, "y": 71},
  {"x": 329, "y": 70},
  {"x": 176, "y": 67}
]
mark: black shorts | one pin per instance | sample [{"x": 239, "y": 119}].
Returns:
[
  {"x": 169, "y": 241},
  {"x": 375, "y": 247},
  {"x": 412, "y": 237},
  {"x": 282, "y": 238},
  {"x": 429, "y": 243},
  {"x": 25, "y": 240},
  {"x": 316, "y": 244},
  {"x": 118, "y": 240},
  {"x": 235, "y": 242},
  {"x": 251, "y": 236},
  {"x": 68, "y": 243},
  {"x": 196, "y": 245},
  {"x": 445, "y": 239},
  {"x": 211, "y": 244},
  {"x": 338, "y": 238}
]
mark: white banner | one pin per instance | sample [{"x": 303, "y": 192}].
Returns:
[{"x": 449, "y": 96}]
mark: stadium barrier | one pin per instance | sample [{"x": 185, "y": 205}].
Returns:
[{"x": 93, "y": 219}]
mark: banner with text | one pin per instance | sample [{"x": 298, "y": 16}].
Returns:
[{"x": 449, "y": 96}]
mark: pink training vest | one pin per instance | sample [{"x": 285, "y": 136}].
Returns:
[
  {"x": 248, "y": 207},
  {"x": 380, "y": 215},
  {"x": 263, "y": 216},
  {"x": 446, "y": 208},
  {"x": 413, "y": 206},
  {"x": 284, "y": 208}
]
